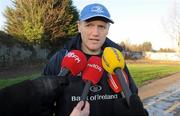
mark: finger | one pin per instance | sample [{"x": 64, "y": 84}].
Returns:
[
  {"x": 79, "y": 105},
  {"x": 87, "y": 106},
  {"x": 77, "y": 109},
  {"x": 86, "y": 110},
  {"x": 75, "y": 112}
]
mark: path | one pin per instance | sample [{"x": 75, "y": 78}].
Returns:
[{"x": 162, "y": 97}]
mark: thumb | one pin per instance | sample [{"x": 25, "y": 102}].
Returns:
[
  {"x": 79, "y": 105},
  {"x": 77, "y": 109}
]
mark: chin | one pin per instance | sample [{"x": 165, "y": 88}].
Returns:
[{"x": 94, "y": 49}]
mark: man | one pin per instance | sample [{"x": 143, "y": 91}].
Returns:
[{"x": 93, "y": 26}]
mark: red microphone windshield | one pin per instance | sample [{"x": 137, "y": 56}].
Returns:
[
  {"x": 75, "y": 61},
  {"x": 114, "y": 83},
  {"x": 93, "y": 70}
]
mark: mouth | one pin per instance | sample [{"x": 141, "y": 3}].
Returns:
[{"x": 94, "y": 40}]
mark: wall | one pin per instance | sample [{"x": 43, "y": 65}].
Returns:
[
  {"x": 17, "y": 54},
  {"x": 162, "y": 56}
]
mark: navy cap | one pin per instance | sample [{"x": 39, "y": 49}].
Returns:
[{"x": 95, "y": 10}]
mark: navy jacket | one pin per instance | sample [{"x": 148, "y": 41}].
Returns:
[{"x": 103, "y": 101}]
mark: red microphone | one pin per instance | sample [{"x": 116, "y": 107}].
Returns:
[
  {"x": 114, "y": 83},
  {"x": 74, "y": 62},
  {"x": 92, "y": 74}
]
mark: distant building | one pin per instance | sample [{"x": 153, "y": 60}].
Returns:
[{"x": 133, "y": 55}]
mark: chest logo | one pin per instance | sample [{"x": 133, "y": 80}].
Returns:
[{"x": 95, "y": 88}]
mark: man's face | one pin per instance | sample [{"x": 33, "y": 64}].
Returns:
[{"x": 93, "y": 34}]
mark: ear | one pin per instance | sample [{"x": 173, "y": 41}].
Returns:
[
  {"x": 79, "y": 26},
  {"x": 108, "y": 28}
]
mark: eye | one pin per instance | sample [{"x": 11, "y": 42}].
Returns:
[
  {"x": 102, "y": 27},
  {"x": 89, "y": 25}
]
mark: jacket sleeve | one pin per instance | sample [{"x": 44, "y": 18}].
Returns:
[
  {"x": 53, "y": 66},
  {"x": 31, "y": 97}
]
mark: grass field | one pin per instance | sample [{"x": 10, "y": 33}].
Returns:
[
  {"x": 141, "y": 72},
  {"x": 7, "y": 82}
]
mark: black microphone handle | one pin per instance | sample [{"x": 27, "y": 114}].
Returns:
[
  {"x": 64, "y": 72},
  {"x": 85, "y": 90},
  {"x": 124, "y": 85}
]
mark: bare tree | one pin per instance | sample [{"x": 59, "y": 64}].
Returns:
[{"x": 172, "y": 25}]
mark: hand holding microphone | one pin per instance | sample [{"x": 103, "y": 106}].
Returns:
[
  {"x": 26, "y": 98},
  {"x": 23, "y": 98},
  {"x": 80, "y": 111},
  {"x": 91, "y": 74}
]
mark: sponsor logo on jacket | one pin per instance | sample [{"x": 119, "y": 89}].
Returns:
[
  {"x": 95, "y": 88},
  {"x": 96, "y": 97}
]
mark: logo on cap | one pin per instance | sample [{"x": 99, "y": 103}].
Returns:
[{"x": 97, "y": 9}]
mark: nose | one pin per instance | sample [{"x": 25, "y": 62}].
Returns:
[{"x": 95, "y": 31}]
